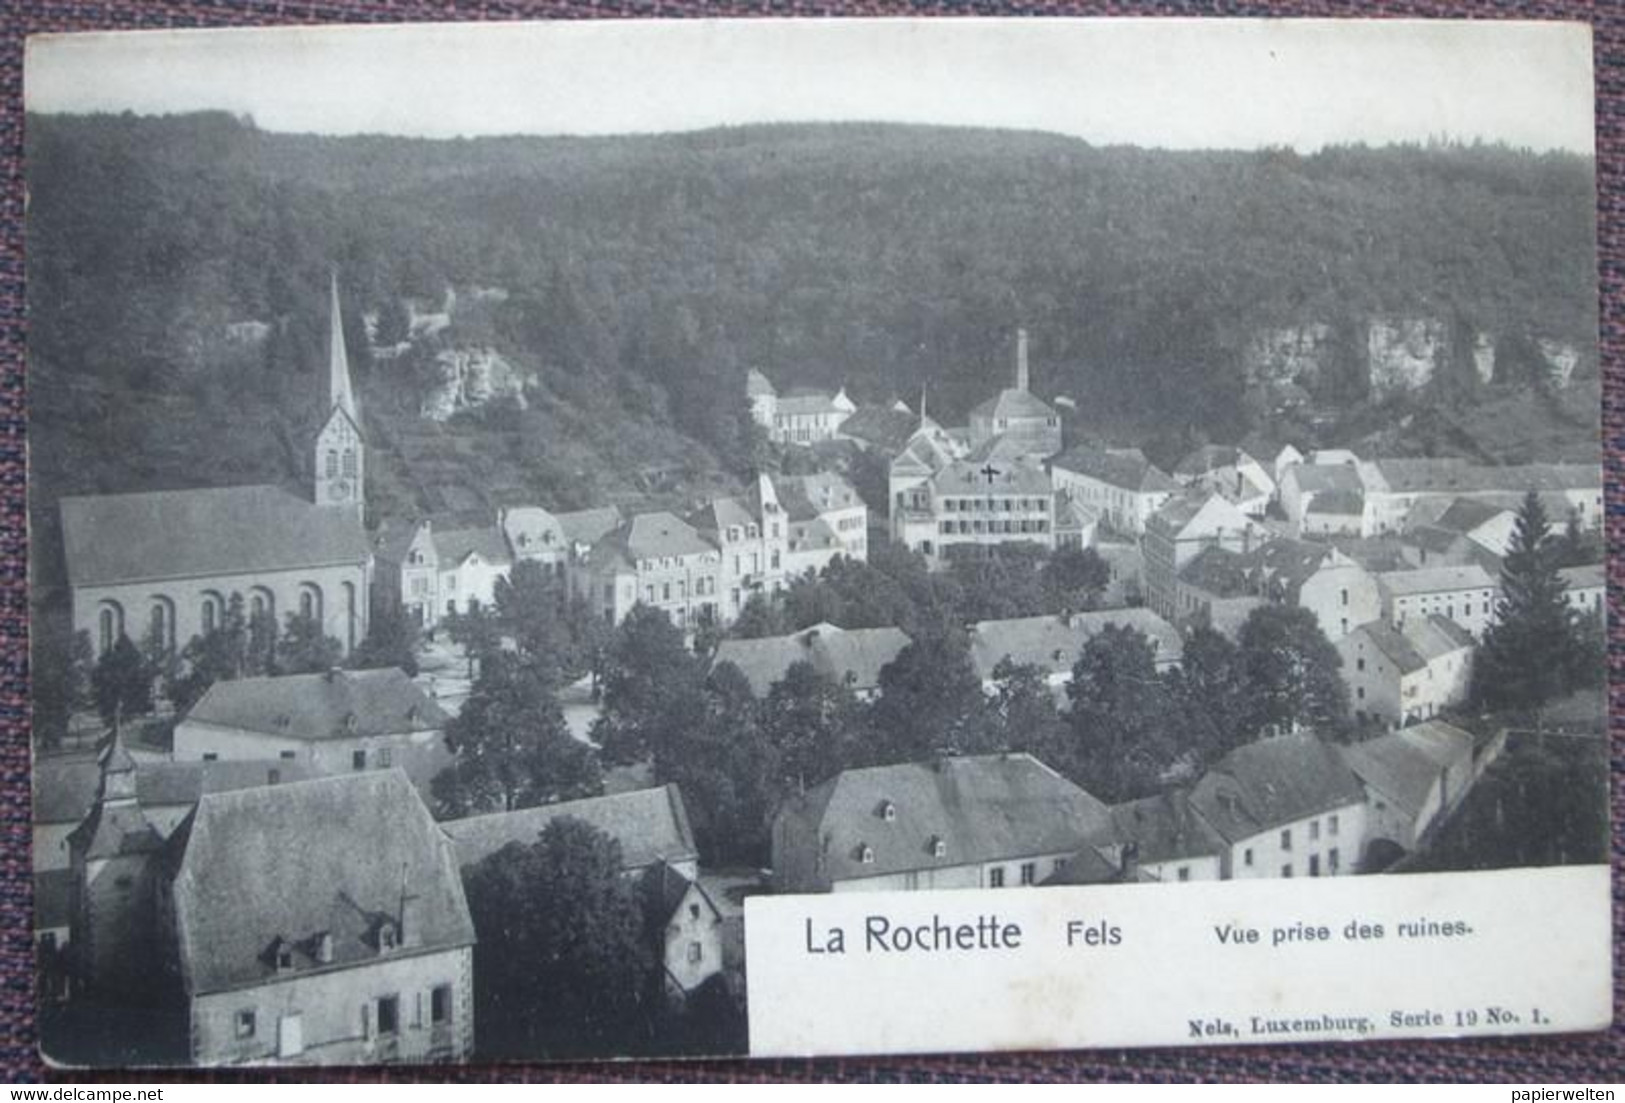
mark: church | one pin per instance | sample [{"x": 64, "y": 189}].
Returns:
[{"x": 167, "y": 563}]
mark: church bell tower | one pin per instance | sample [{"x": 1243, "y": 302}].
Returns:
[{"x": 340, "y": 453}]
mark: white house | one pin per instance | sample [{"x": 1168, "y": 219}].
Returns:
[
  {"x": 988, "y": 821},
  {"x": 1123, "y": 485},
  {"x": 1587, "y": 591},
  {"x": 1399, "y": 676},
  {"x": 1413, "y": 778},
  {"x": 1465, "y": 595},
  {"x": 1287, "y": 806}
]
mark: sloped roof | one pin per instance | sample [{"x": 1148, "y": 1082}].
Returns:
[
  {"x": 1013, "y": 403},
  {"x": 813, "y": 535},
  {"x": 529, "y": 528},
  {"x": 834, "y": 652},
  {"x": 650, "y": 824},
  {"x": 1217, "y": 571},
  {"x": 1323, "y": 478},
  {"x": 1403, "y": 765},
  {"x": 807, "y": 496},
  {"x": 456, "y": 545},
  {"x": 65, "y": 789},
  {"x": 586, "y": 526},
  {"x": 1260, "y": 786},
  {"x": 1126, "y": 470},
  {"x": 338, "y": 704},
  {"x": 198, "y": 533},
  {"x": 1178, "y": 514},
  {"x": 1289, "y": 563},
  {"x": 661, "y": 891},
  {"x": 1165, "y": 829},
  {"x": 756, "y": 383},
  {"x": 1374, "y": 553},
  {"x": 882, "y": 427},
  {"x": 1427, "y": 580},
  {"x": 1421, "y": 641},
  {"x": 801, "y": 402},
  {"x": 1340, "y": 503},
  {"x": 1586, "y": 577},
  {"x": 1013, "y": 476},
  {"x": 1086, "y": 867},
  {"x": 720, "y": 514},
  {"x": 649, "y": 536},
  {"x": 982, "y": 808},
  {"x": 290, "y": 862},
  {"x": 1053, "y": 644},
  {"x": 1464, "y": 515}
]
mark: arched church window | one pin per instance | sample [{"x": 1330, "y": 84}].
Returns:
[
  {"x": 213, "y": 609},
  {"x": 109, "y": 625},
  {"x": 332, "y": 463},
  {"x": 349, "y": 463},
  {"x": 161, "y": 623},
  {"x": 310, "y": 601},
  {"x": 261, "y": 604}
]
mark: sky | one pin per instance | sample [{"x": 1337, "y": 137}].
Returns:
[{"x": 1176, "y": 84}]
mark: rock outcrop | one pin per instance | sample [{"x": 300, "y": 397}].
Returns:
[{"x": 470, "y": 378}]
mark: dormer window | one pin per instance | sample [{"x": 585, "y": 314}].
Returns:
[
  {"x": 388, "y": 936},
  {"x": 324, "y": 947},
  {"x": 413, "y": 715},
  {"x": 939, "y": 847},
  {"x": 350, "y": 722},
  {"x": 282, "y": 956},
  {"x": 888, "y": 811},
  {"x": 866, "y": 854}
]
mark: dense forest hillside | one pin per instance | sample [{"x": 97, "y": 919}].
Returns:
[{"x": 177, "y": 273}]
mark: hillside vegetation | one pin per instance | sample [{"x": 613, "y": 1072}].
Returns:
[{"x": 644, "y": 274}]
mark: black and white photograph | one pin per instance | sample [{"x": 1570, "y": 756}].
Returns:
[{"x": 506, "y": 499}]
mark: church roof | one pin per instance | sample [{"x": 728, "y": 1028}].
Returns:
[
  {"x": 339, "y": 856},
  {"x": 239, "y": 530},
  {"x": 1012, "y": 402},
  {"x": 340, "y": 704}
]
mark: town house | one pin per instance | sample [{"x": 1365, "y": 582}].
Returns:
[
  {"x": 1123, "y": 486},
  {"x": 1413, "y": 778},
  {"x": 658, "y": 560},
  {"x": 1286, "y": 806},
  {"x": 1397, "y": 676},
  {"x": 335, "y": 722},
  {"x": 971, "y": 507},
  {"x": 987, "y": 821},
  {"x": 1466, "y": 595},
  {"x": 1179, "y": 531}
]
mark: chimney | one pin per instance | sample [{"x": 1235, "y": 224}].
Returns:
[
  {"x": 1021, "y": 360},
  {"x": 1131, "y": 862}
]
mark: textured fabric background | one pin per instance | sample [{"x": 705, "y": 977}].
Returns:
[{"x": 1588, "y": 1058}]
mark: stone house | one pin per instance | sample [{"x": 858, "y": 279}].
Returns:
[
  {"x": 985, "y": 821},
  {"x": 1413, "y": 778},
  {"x": 1399, "y": 676}
]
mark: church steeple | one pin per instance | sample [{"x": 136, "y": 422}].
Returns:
[
  {"x": 340, "y": 462},
  {"x": 338, "y": 360}
]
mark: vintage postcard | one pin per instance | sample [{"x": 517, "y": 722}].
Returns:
[{"x": 650, "y": 538}]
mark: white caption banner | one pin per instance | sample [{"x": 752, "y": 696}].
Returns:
[{"x": 1454, "y": 954}]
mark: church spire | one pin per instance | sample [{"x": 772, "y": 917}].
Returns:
[{"x": 338, "y": 361}]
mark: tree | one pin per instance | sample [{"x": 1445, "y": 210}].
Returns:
[
  {"x": 1211, "y": 695},
  {"x": 122, "y": 682},
  {"x": 930, "y": 703},
  {"x": 724, "y": 768},
  {"x": 305, "y": 648},
  {"x": 392, "y": 639},
  {"x": 1025, "y": 713},
  {"x": 60, "y": 666},
  {"x": 545, "y": 620},
  {"x": 1293, "y": 672},
  {"x": 654, "y": 688},
  {"x": 511, "y": 745},
  {"x": 394, "y": 322},
  {"x": 1074, "y": 578},
  {"x": 561, "y": 965},
  {"x": 807, "y": 719},
  {"x": 762, "y": 617},
  {"x": 1122, "y": 738},
  {"x": 1528, "y": 656},
  {"x": 476, "y": 631}
]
